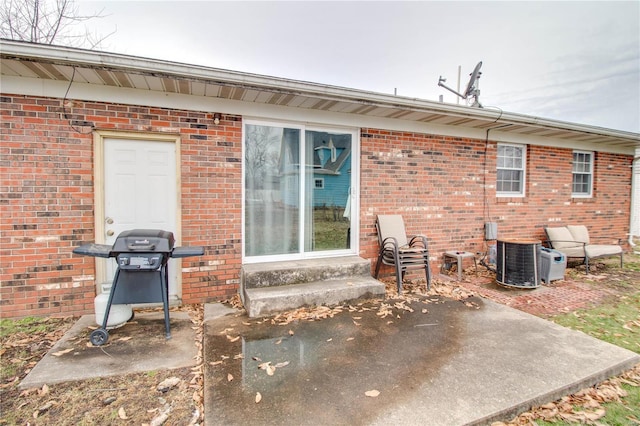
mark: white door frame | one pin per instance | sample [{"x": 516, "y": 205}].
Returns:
[{"x": 99, "y": 181}]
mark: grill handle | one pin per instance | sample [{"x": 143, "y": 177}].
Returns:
[{"x": 141, "y": 247}]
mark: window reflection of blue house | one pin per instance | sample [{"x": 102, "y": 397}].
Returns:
[
  {"x": 332, "y": 171},
  {"x": 331, "y": 178}
]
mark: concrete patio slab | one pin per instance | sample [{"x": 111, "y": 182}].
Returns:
[
  {"x": 446, "y": 363},
  {"x": 139, "y": 345}
]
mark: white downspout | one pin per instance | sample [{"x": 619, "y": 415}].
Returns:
[{"x": 634, "y": 223}]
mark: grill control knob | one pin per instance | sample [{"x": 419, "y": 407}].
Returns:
[{"x": 109, "y": 233}]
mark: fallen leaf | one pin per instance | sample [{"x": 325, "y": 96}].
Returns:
[
  {"x": 167, "y": 384},
  {"x": 216, "y": 362},
  {"x": 350, "y": 339},
  {"x": 122, "y": 414},
  {"x": 281, "y": 364},
  {"x": 124, "y": 339},
  {"x": 44, "y": 390},
  {"x": 44, "y": 408},
  {"x": 233, "y": 339},
  {"x": 372, "y": 393},
  {"x": 291, "y": 333},
  {"x": 60, "y": 353},
  {"x": 258, "y": 397},
  {"x": 159, "y": 420},
  {"x": 229, "y": 377},
  {"x": 270, "y": 370}
]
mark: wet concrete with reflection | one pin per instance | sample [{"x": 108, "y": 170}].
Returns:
[{"x": 320, "y": 370}]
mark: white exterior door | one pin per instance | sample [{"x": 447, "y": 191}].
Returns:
[{"x": 140, "y": 192}]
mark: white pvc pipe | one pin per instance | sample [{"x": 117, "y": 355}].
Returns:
[{"x": 634, "y": 219}]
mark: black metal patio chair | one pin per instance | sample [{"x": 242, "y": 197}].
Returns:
[{"x": 399, "y": 250}]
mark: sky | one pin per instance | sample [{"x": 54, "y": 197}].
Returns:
[{"x": 572, "y": 61}]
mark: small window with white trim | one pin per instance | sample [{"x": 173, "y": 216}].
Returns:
[
  {"x": 318, "y": 183},
  {"x": 510, "y": 170},
  {"x": 582, "y": 174}
]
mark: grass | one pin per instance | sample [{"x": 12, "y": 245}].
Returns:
[
  {"x": 27, "y": 325},
  {"x": 616, "y": 322},
  {"x": 23, "y": 342},
  {"x": 330, "y": 234}
]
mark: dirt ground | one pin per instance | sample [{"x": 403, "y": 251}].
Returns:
[
  {"x": 166, "y": 397},
  {"x": 151, "y": 398}
]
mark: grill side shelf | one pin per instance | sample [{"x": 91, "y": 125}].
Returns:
[
  {"x": 94, "y": 250},
  {"x": 187, "y": 251}
]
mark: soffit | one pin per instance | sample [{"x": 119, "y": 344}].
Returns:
[{"x": 139, "y": 73}]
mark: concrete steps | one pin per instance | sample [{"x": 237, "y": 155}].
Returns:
[{"x": 268, "y": 288}]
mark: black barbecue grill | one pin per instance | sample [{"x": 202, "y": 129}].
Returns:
[{"x": 142, "y": 274}]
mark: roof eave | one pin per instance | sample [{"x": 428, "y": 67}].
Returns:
[{"x": 88, "y": 58}]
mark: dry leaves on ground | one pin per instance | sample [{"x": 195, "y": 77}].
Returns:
[{"x": 584, "y": 407}]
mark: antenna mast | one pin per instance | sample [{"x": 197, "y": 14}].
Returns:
[{"x": 473, "y": 88}]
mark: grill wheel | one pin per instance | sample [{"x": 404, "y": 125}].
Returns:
[{"x": 99, "y": 337}]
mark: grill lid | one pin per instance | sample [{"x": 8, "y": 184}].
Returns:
[{"x": 144, "y": 240}]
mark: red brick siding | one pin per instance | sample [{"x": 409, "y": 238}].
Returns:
[
  {"x": 437, "y": 183},
  {"x": 47, "y": 200},
  {"x": 445, "y": 188}
]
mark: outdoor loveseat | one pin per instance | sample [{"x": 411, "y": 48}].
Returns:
[{"x": 574, "y": 242}]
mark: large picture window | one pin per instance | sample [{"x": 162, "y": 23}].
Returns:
[
  {"x": 582, "y": 174},
  {"x": 297, "y": 189},
  {"x": 510, "y": 170}
]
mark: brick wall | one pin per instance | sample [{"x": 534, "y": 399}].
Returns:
[
  {"x": 47, "y": 200},
  {"x": 445, "y": 188}
]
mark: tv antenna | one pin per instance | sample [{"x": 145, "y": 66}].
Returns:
[{"x": 473, "y": 88}]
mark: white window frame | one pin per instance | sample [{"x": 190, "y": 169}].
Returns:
[
  {"x": 523, "y": 169},
  {"x": 588, "y": 194},
  {"x": 316, "y": 181}
]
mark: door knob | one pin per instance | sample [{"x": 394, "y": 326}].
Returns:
[
  {"x": 109, "y": 221},
  {"x": 109, "y": 233}
]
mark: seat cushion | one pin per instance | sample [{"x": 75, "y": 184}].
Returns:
[
  {"x": 561, "y": 238},
  {"x": 597, "y": 250},
  {"x": 573, "y": 251},
  {"x": 580, "y": 233}
]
